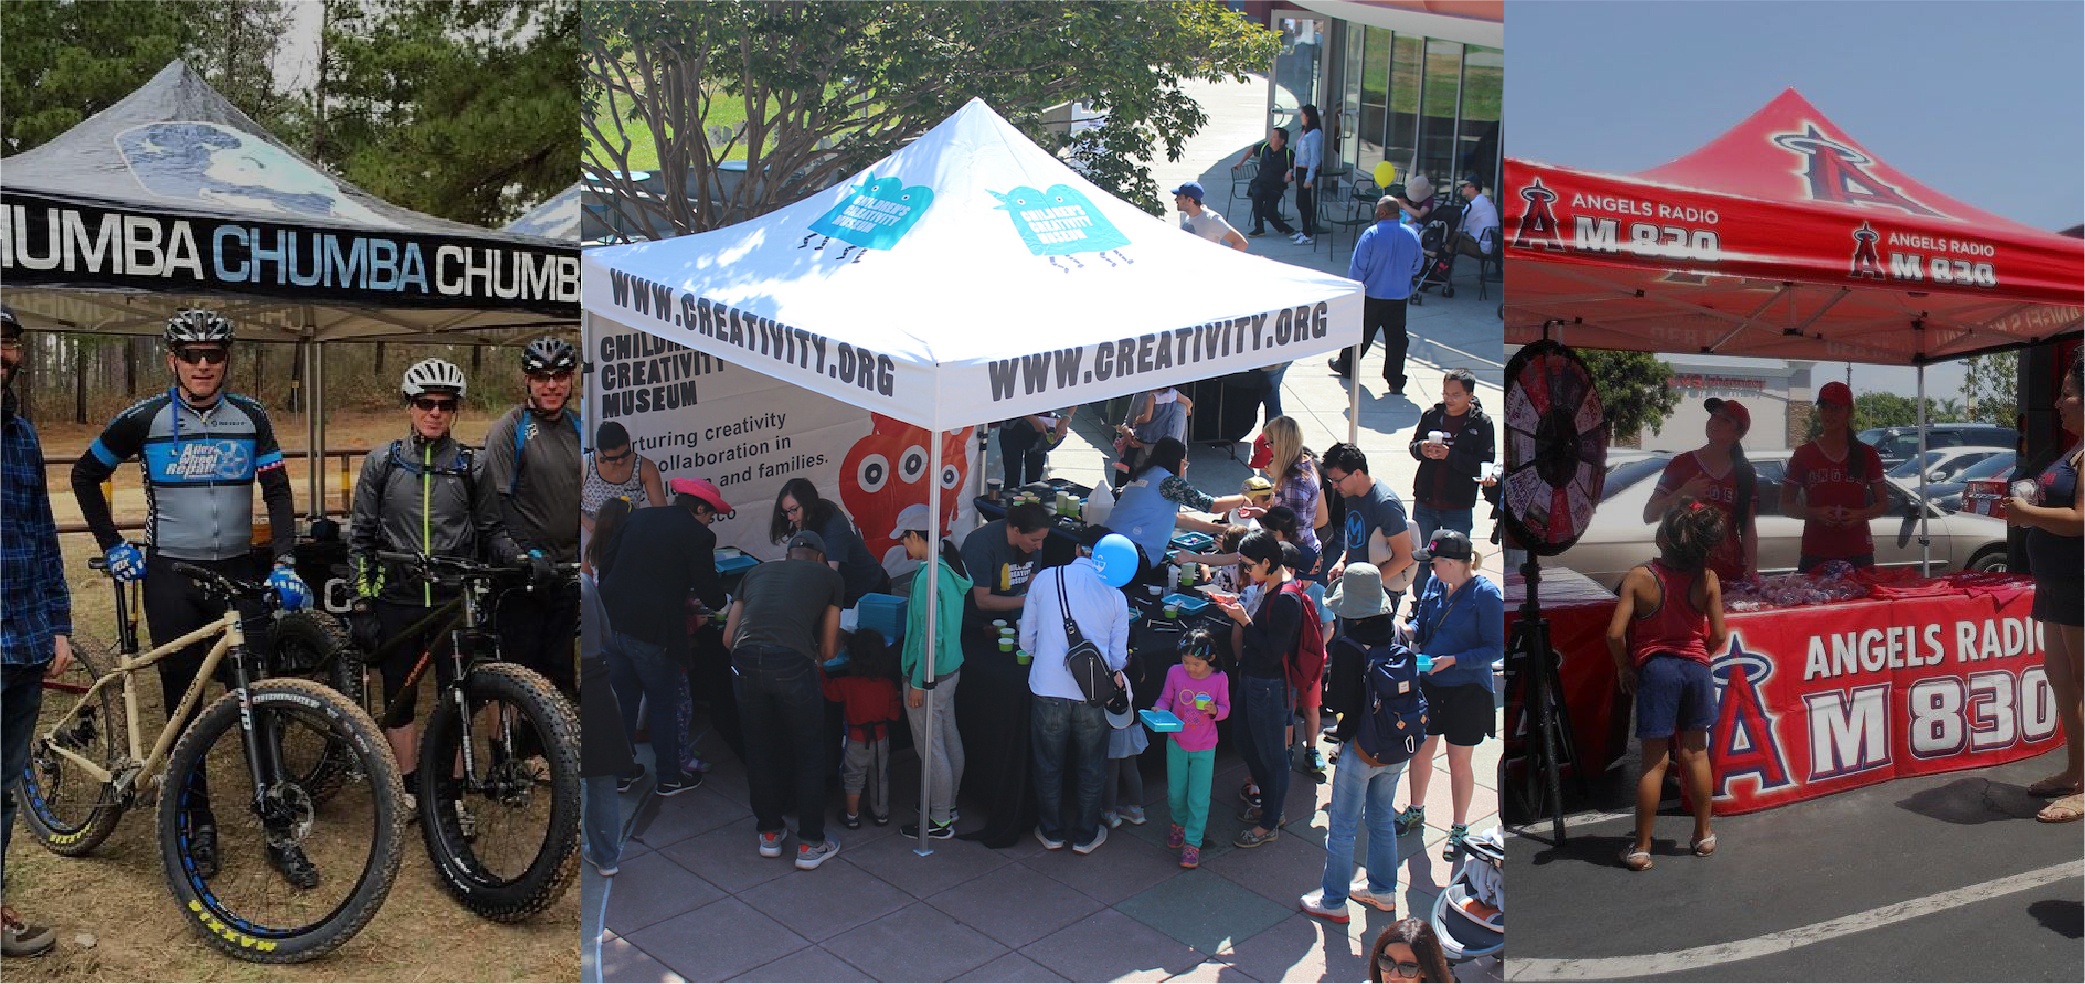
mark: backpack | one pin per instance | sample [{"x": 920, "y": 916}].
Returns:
[
  {"x": 1307, "y": 661},
  {"x": 1088, "y": 667},
  {"x": 521, "y": 442},
  {"x": 1393, "y": 707},
  {"x": 395, "y": 456}
]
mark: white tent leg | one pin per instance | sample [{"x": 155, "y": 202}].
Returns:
[
  {"x": 1925, "y": 541},
  {"x": 1354, "y": 400},
  {"x": 933, "y": 576}
]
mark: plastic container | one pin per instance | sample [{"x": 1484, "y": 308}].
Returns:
[
  {"x": 884, "y": 613},
  {"x": 734, "y": 565},
  {"x": 1186, "y": 602},
  {"x": 1162, "y": 722}
]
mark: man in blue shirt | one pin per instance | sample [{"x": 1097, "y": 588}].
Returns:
[
  {"x": 1386, "y": 261},
  {"x": 35, "y": 610}
]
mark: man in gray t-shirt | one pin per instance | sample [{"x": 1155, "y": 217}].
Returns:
[
  {"x": 1205, "y": 222},
  {"x": 783, "y": 603},
  {"x": 532, "y": 462},
  {"x": 1001, "y": 556},
  {"x": 1377, "y": 530}
]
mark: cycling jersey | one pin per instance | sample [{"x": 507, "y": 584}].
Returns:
[
  {"x": 200, "y": 467},
  {"x": 533, "y": 463},
  {"x": 425, "y": 497}
]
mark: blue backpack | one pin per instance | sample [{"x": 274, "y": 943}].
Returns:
[{"x": 1393, "y": 708}]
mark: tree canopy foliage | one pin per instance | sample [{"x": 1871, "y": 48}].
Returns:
[
  {"x": 1635, "y": 389},
  {"x": 825, "y": 89}
]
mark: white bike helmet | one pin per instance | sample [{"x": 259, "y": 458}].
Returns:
[{"x": 432, "y": 376}]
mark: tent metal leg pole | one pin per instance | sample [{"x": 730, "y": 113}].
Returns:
[
  {"x": 929, "y": 571},
  {"x": 1925, "y": 541},
  {"x": 1354, "y": 399},
  {"x": 309, "y": 352},
  {"x": 318, "y": 431}
]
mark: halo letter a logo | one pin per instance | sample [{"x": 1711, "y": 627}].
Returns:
[
  {"x": 1866, "y": 263},
  {"x": 1538, "y": 225},
  {"x": 1838, "y": 173},
  {"x": 1741, "y": 742}
]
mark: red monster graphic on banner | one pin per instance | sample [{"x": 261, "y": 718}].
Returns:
[{"x": 886, "y": 471}]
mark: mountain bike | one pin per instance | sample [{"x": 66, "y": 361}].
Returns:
[
  {"x": 498, "y": 767},
  {"x": 255, "y": 747}
]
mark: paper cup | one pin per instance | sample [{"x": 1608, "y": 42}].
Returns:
[
  {"x": 1021, "y": 656},
  {"x": 1006, "y": 644},
  {"x": 1156, "y": 590},
  {"x": 1203, "y": 702},
  {"x": 1172, "y": 610}
]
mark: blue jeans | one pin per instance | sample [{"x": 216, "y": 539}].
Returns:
[
  {"x": 639, "y": 670},
  {"x": 602, "y": 810},
  {"x": 19, "y": 704},
  {"x": 1259, "y": 732},
  {"x": 1068, "y": 734},
  {"x": 1360, "y": 790},
  {"x": 1272, "y": 400},
  {"x": 783, "y": 712},
  {"x": 1425, "y": 520}
]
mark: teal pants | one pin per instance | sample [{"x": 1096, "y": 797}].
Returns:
[{"x": 1188, "y": 775}]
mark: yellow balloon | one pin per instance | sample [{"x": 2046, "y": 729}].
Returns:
[{"x": 1386, "y": 174}]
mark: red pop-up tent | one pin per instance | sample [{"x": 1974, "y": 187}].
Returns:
[{"x": 1783, "y": 238}]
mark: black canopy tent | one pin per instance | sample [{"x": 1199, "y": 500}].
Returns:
[{"x": 173, "y": 198}]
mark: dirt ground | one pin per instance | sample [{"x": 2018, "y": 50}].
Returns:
[{"x": 118, "y": 897}]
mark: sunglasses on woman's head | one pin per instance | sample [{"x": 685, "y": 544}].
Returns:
[
  {"x": 1397, "y": 968},
  {"x": 432, "y": 405}
]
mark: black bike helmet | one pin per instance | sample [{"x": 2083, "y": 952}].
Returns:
[
  {"x": 549, "y": 355},
  {"x": 194, "y": 326},
  {"x": 10, "y": 326}
]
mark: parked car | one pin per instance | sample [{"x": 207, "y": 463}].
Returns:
[
  {"x": 1952, "y": 494},
  {"x": 1939, "y": 466},
  {"x": 1986, "y": 486},
  {"x": 1895, "y": 444},
  {"x": 1618, "y": 539}
]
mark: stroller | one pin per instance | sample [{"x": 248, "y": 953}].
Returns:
[
  {"x": 1437, "y": 243},
  {"x": 1469, "y": 915}
]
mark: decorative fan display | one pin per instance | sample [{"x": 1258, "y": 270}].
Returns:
[{"x": 1556, "y": 447}]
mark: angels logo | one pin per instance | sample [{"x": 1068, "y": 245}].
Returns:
[
  {"x": 886, "y": 471},
  {"x": 1866, "y": 263},
  {"x": 1838, "y": 173},
  {"x": 1538, "y": 225},
  {"x": 1742, "y": 741}
]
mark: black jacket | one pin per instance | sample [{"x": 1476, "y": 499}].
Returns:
[
  {"x": 663, "y": 556},
  {"x": 1453, "y": 480}
]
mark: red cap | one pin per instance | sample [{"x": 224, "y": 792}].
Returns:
[
  {"x": 701, "y": 488},
  {"x": 1262, "y": 452},
  {"x": 1835, "y": 393},
  {"x": 1733, "y": 409}
]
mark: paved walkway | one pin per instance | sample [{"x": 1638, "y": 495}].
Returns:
[{"x": 695, "y": 902}]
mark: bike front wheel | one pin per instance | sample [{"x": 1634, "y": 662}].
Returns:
[
  {"x": 504, "y": 838},
  {"x": 68, "y": 811},
  {"x": 313, "y": 645},
  {"x": 249, "y": 901}
]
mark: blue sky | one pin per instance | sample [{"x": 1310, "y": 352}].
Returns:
[{"x": 1984, "y": 101}]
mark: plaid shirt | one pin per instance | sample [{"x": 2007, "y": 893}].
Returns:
[{"x": 34, "y": 602}]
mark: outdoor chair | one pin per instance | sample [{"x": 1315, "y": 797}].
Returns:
[
  {"x": 1358, "y": 212},
  {"x": 1242, "y": 179},
  {"x": 1492, "y": 268}
]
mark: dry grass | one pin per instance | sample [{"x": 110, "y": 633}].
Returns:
[{"x": 119, "y": 895}]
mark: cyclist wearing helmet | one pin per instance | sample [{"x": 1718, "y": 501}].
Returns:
[
  {"x": 532, "y": 462},
  {"x": 202, "y": 451},
  {"x": 35, "y": 612},
  {"x": 423, "y": 493}
]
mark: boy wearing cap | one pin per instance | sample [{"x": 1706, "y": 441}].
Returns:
[
  {"x": 1717, "y": 473},
  {"x": 664, "y": 556},
  {"x": 783, "y": 625},
  {"x": 947, "y": 576},
  {"x": 1835, "y": 486},
  {"x": 1203, "y": 221}
]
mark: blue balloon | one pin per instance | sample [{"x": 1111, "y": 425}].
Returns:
[{"x": 1117, "y": 559}]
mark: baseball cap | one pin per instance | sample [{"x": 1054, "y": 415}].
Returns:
[
  {"x": 700, "y": 488},
  {"x": 1732, "y": 409},
  {"x": 1446, "y": 543},
  {"x": 806, "y": 540},
  {"x": 1192, "y": 189},
  {"x": 1835, "y": 393},
  {"x": 914, "y": 517},
  {"x": 1258, "y": 487},
  {"x": 1470, "y": 179}
]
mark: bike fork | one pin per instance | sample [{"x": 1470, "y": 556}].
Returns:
[{"x": 263, "y": 742}]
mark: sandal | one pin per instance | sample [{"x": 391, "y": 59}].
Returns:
[
  {"x": 1636, "y": 860},
  {"x": 2069, "y": 809},
  {"x": 2056, "y": 785},
  {"x": 1704, "y": 847}
]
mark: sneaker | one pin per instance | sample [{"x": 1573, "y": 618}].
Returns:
[
  {"x": 1190, "y": 857},
  {"x": 1303, "y": 240},
  {"x": 1099, "y": 837},
  {"x": 1317, "y": 762},
  {"x": 770, "y": 843},
  {"x": 605, "y": 870},
  {"x": 808, "y": 857},
  {"x": 1314, "y": 903},
  {"x": 1413, "y": 818},
  {"x": 1110, "y": 819},
  {"x": 883, "y": 819},
  {"x": 935, "y": 831},
  {"x": 695, "y": 764},
  {"x": 1456, "y": 836},
  {"x": 296, "y": 868},
  {"x": 1049, "y": 843},
  {"x": 1248, "y": 840},
  {"x": 1133, "y": 815},
  {"x": 1335, "y": 366},
  {"x": 678, "y": 784},
  {"x": 21, "y": 938},
  {"x": 851, "y": 821},
  {"x": 1257, "y": 233},
  {"x": 1176, "y": 835},
  {"x": 628, "y": 779},
  {"x": 202, "y": 850},
  {"x": 1250, "y": 794},
  {"x": 1385, "y": 902},
  {"x": 1249, "y": 815}
]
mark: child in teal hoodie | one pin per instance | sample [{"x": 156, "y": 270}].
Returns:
[{"x": 943, "y": 756}]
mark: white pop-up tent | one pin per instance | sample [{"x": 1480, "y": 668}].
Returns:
[{"x": 971, "y": 276}]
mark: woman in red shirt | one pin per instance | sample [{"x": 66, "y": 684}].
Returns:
[
  {"x": 1835, "y": 486},
  {"x": 1718, "y": 474}
]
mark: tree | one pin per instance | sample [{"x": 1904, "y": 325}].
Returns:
[
  {"x": 1991, "y": 388},
  {"x": 825, "y": 89},
  {"x": 67, "y": 61},
  {"x": 1635, "y": 389},
  {"x": 454, "y": 108}
]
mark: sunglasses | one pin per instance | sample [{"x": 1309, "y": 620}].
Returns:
[
  {"x": 1397, "y": 968},
  {"x": 432, "y": 405},
  {"x": 202, "y": 356},
  {"x": 545, "y": 377},
  {"x": 617, "y": 459}
]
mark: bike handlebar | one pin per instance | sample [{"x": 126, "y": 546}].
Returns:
[
  {"x": 220, "y": 584},
  {"x": 458, "y": 567}
]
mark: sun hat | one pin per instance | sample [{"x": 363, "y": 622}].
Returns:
[{"x": 1359, "y": 593}]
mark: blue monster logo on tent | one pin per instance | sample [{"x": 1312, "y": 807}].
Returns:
[
  {"x": 876, "y": 216},
  {"x": 1061, "y": 222},
  {"x": 211, "y": 162}
]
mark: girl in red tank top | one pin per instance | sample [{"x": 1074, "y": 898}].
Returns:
[{"x": 1667, "y": 621}]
